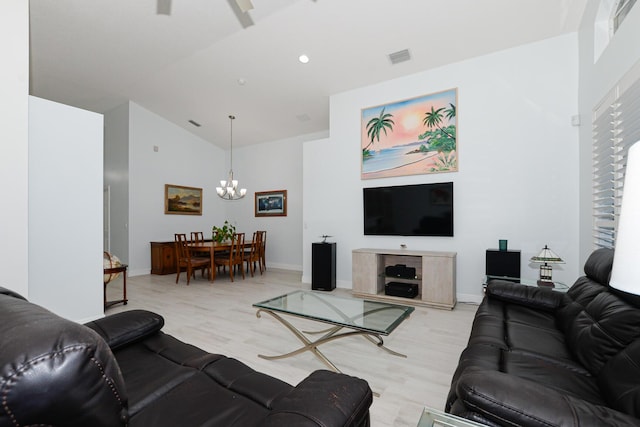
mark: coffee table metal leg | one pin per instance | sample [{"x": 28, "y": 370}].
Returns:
[
  {"x": 331, "y": 334},
  {"x": 308, "y": 345},
  {"x": 378, "y": 341}
]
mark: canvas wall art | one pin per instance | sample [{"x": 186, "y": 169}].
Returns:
[
  {"x": 410, "y": 137},
  {"x": 179, "y": 200},
  {"x": 271, "y": 203}
]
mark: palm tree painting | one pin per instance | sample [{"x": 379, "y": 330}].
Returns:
[{"x": 414, "y": 136}]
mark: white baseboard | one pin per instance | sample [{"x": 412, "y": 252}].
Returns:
[{"x": 469, "y": 298}]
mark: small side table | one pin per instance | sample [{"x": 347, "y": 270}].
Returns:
[{"x": 113, "y": 270}]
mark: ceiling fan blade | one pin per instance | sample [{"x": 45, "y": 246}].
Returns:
[
  {"x": 244, "y": 18},
  {"x": 164, "y": 7},
  {"x": 244, "y": 5}
]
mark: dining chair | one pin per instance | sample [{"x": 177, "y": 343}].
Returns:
[
  {"x": 252, "y": 255},
  {"x": 235, "y": 257},
  {"x": 262, "y": 251},
  {"x": 184, "y": 259},
  {"x": 197, "y": 236}
]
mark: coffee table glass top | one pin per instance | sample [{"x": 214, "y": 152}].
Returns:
[{"x": 356, "y": 313}]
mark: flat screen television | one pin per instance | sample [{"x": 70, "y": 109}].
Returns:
[{"x": 409, "y": 210}]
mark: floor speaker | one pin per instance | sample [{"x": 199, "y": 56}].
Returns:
[
  {"x": 503, "y": 263},
  {"x": 323, "y": 266}
]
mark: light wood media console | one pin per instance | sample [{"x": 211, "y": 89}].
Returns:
[{"x": 435, "y": 275}]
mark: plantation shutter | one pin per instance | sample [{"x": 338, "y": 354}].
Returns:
[{"x": 616, "y": 126}]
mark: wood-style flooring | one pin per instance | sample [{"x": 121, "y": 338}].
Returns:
[{"x": 218, "y": 317}]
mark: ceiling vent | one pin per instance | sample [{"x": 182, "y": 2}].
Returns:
[{"x": 400, "y": 56}]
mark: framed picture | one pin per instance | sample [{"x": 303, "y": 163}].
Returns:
[
  {"x": 271, "y": 203},
  {"x": 179, "y": 200},
  {"x": 410, "y": 137}
]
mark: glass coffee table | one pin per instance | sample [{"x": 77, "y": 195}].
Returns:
[
  {"x": 434, "y": 418},
  {"x": 346, "y": 316}
]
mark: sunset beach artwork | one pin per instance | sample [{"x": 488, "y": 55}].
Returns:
[{"x": 410, "y": 137}]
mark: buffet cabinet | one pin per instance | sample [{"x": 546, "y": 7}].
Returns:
[
  {"x": 163, "y": 257},
  {"x": 435, "y": 275}
]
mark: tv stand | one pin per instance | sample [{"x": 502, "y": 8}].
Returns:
[{"x": 435, "y": 275}]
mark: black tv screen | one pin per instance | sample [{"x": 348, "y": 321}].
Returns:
[{"x": 409, "y": 210}]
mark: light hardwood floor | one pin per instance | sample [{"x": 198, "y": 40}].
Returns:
[{"x": 218, "y": 317}]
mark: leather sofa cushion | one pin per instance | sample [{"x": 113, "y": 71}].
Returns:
[
  {"x": 69, "y": 377},
  {"x": 168, "y": 379},
  {"x": 125, "y": 328}
]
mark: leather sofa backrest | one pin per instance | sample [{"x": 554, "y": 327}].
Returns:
[
  {"x": 54, "y": 371},
  {"x": 602, "y": 330}
]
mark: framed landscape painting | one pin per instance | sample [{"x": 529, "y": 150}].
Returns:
[
  {"x": 179, "y": 200},
  {"x": 410, "y": 137},
  {"x": 271, "y": 203}
]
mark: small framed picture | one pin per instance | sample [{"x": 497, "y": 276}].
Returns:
[
  {"x": 271, "y": 203},
  {"x": 179, "y": 200}
]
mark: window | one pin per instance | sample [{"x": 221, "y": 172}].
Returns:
[
  {"x": 616, "y": 126},
  {"x": 609, "y": 17},
  {"x": 621, "y": 12}
]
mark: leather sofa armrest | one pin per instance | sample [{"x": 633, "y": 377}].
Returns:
[
  {"x": 532, "y": 296},
  {"x": 124, "y": 328},
  {"x": 507, "y": 399},
  {"x": 324, "y": 398}
]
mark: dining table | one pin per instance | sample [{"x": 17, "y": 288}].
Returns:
[{"x": 211, "y": 247}]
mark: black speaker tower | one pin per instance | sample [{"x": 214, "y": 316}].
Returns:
[{"x": 323, "y": 266}]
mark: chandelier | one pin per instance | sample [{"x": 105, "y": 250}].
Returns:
[{"x": 228, "y": 189}]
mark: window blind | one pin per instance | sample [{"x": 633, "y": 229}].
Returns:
[{"x": 616, "y": 126}]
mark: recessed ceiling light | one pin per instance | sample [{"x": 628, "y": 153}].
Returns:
[
  {"x": 303, "y": 58},
  {"x": 242, "y": 81}
]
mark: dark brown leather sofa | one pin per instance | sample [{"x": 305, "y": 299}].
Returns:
[
  {"x": 538, "y": 357},
  {"x": 123, "y": 370}
]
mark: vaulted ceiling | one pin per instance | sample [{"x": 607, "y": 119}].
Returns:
[{"x": 206, "y": 60}]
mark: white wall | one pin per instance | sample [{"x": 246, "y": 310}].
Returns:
[
  {"x": 65, "y": 209},
  {"x": 266, "y": 167},
  {"x": 182, "y": 159},
  {"x": 596, "y": 79},
  {"x": 518, "y": 177},
  {"x": 14, "y": 110},
  {"x": 116, "y": 178}
]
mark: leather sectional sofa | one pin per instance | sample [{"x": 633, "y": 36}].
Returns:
[
  {"x": 123, "y": 370},
  {"x": 538, "y": 357}
]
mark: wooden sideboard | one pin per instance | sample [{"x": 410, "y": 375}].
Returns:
[
  {"x": 435, "y": 275},
  {"x": 163, "y": 258}
]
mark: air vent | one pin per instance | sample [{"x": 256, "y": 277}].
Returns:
[
  {"x": 196, "y": 124},
  {"x": 164, "y": 7},
  {"x": 400, "y": 56}
]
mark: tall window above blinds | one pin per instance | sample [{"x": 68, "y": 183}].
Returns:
[
  {"x": 622, "y": 10},
  {"x": 616, "y": 126}
]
